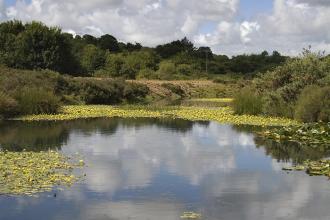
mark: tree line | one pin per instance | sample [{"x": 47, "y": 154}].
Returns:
[{"x": 36, "y": 46}]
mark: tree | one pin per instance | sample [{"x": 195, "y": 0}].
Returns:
[
  {"x": 175, "y": 47},
  {"x": 40, "y": 47},
  {"x": 92, "y": 58},
  {"x": 167, "y": 69},
  {"x": 133, "y": 47},
  {"x": 108, "y": 42},
  {"x": 89, "y": 39}
]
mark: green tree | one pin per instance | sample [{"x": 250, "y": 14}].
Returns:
[
  {"x": 108, "y": 42},
  {"x": 40, "y": 47},
  {"x": 92, "y": 58}
]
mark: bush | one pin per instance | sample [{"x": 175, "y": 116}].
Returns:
[
  {"x": 313, "y": 104},
  {"x": 247, "y": 102},
  {"x": 99, "y": 92},
  {"x": 37, "y": 101},
  {"x": 135, "y": 92},
  {"x": 167, "y": 70},
  {"x": 147, "y": 74},
  {"x": 8, "y": 106},
  {"x": 174, "y": 88},
  {"x": 275, "y": 105}
]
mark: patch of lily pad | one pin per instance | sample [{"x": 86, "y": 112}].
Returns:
[
  {"x": 313, "y": 168},
  {"x": 28, "y": 173},
  {"x": 191, "y": 215},
  {"x": 312, "y": 135},
  {"x": 223, "y": 115},
  {"x": 316, "y": 135}
]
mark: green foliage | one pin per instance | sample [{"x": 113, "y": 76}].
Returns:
[
  {"x": 128, "y": 65},
  {"x": 108, "y": 42},
  {"x": 8, "y": 106},
  {"x": 275, "y": 105},
  {"x": 92, "y": 91},
  {"x": 147, "y": 74},
  {"x": 282, "y": 88},
  {"x": 98, "y": 92},
  {"x": 135, "y": 92},
  {"x": 313, "y": 104},
  {"x": 37, "y": 101},
  {"x": 92, "y": 58},
  {"x": 167, "y": 70},
  {"x": 185, "y": 69},
  {"x": 175, "y": 47},
  {"x": 176, "y": 89},
  {"x": 36, "y": 46},
  {"x": 247, "y": 102}
]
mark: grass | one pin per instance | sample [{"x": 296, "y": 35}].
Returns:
[{"x": 222, "y": 115}]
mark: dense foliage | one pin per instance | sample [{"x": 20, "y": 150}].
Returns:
[
  {"x": 36, "y": 46},
  {"x": 43, "y": 92},
  {"x": 298, "y": 89}
]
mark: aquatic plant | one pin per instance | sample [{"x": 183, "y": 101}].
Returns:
[
  {"x": 27, "y": 173},
  {"x": 313, "y": 168},
  {"x": 313, "y": 135},
  {"x": 221, "y": 100},
  {"x": 191, "y": 215},
  {"x": 222, "y": 115}
]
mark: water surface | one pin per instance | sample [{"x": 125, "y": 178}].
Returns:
[{"x": 147, "y": 169}]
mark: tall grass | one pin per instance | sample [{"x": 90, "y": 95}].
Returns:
[
  {"x": 247, "y": 102},
  {"x": 313, "y": 104},
  {"x": 8, "y": 105},
  {"x": 37, "y": 101}
]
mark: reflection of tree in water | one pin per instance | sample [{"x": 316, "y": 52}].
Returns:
[
  {"x": 285, "y": 151},
  {"x": 33, "y": 136},
  {"x": 177, "y": 125},
  {"x": 290, "y": 151},
  {"x": 38, "y": 136}
]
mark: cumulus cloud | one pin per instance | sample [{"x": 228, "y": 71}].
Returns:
[
  {"x": 153, "y": 22},
  {"x": 2, "y": 9},
  {"x": 315, "y": 2},
  {"x": 148, "y": 21}
]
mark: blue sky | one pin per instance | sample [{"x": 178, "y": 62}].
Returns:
[
  {"x": 10, "y": 2},
  {"x": 227, "y": 26},
  {"x": 250, "y": 8}
]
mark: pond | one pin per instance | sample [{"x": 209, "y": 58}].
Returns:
[{"x": 147, "y": 169}]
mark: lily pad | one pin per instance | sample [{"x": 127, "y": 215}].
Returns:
[{"x": 27, "y": 173}]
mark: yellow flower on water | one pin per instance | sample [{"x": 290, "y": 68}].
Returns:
[
  {"x": 222, "y": 115},
  {"x": 191, "y": 215}
]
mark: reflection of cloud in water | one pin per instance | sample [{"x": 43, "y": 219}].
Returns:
[
  {"x": 160, "y": 210},
  {"x": 130, "y": 158},
  {"x": 136, "y": 173}
]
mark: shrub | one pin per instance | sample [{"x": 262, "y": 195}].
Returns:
[
  {"x": 185, "y": 69},
  {"x": 313, "y": 104},
  {"x": 174, "y": 88},
  {"x": 37, "y": 101},
  {"x": 247, "y": 102},
  {"x": 167, "y": 70},
  {"x": 99, "y": 92},
  {"x": 135, "y": 92},
  {"x": 8, "y": 106},
  {"x": 275, "y": 105},
  {"x": 147, "y": 74}
]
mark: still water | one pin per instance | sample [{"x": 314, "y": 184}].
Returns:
[{"x": 151, "y": 169}]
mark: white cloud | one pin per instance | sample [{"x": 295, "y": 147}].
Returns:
[
  {"x": 148, "y": 21},
  {"x": 291, "y": 25},
  {"x": 2, "y": 9},
  {"x": 246, "y": 29}
]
